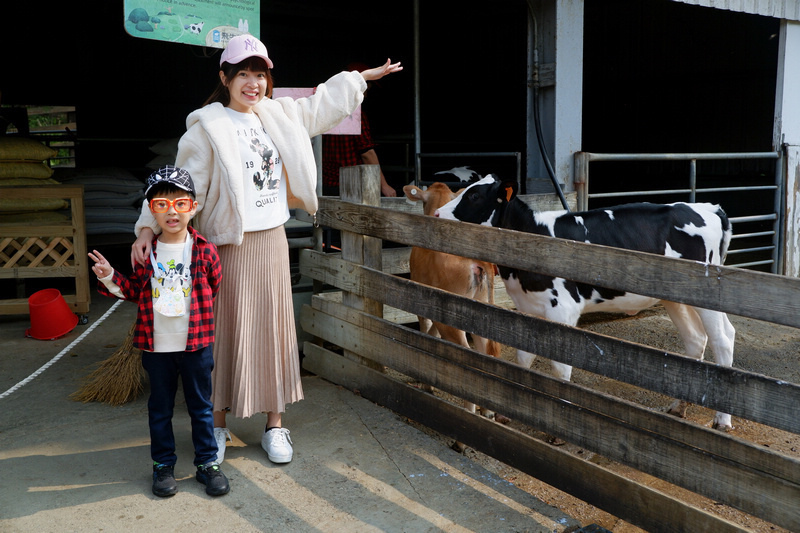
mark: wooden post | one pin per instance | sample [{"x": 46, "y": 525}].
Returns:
[
  {"x": 316, "y": 145},
  {"x": 362, "y": 185}
]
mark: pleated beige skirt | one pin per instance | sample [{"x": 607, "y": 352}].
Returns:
[{"x": 256, "y": 358}]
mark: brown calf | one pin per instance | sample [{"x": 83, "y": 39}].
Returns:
[{"x": 459, "y": 275}]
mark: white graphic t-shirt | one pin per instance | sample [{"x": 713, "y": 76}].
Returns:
[
  {"x": 172, "y": 289},
  {"x": 265, "y": 193}
]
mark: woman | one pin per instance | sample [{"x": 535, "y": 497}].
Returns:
[{"x": 251, "y": 160}]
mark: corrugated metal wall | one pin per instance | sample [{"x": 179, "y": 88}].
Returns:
[{"x": 782, "y": 9}]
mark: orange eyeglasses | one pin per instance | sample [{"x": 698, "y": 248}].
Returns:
[{"x": 162, "y": 205}]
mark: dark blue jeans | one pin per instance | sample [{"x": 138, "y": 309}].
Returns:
[{"x": 194, "y": 370}]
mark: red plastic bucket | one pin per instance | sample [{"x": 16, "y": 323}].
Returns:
[{"x": 51, "y": 317}]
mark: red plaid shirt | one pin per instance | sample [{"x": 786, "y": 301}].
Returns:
[
  {"x": 206, "y": 277},
  {"x": 344, "y": 151}
]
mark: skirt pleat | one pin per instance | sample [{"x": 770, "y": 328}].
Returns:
[{"x": 256, "y": 358}]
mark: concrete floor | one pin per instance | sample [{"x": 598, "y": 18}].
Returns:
[{"x": 71, "y": 466}]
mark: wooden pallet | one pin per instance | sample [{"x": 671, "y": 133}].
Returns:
[{"x": 46, "y": 251}]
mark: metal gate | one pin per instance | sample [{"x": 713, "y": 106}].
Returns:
[{"x": 759, "y": 239}]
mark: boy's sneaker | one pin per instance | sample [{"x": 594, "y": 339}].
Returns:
[
  {"x": 221, "y": 435},
  {"x": 212, "y": 477},
  {"x": 164, "y": 483},
  {"x": 278, "y": 445}
]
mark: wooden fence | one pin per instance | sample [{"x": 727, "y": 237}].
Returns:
[{"x": 744, "y": 475}]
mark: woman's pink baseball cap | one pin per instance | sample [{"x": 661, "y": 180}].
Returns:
[{"x": 243, "y": 46}]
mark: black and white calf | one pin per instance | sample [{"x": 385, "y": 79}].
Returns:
[{"x": 698, "y": 231}]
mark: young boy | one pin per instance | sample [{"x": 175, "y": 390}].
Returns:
[{"x": 175, "y": 291}]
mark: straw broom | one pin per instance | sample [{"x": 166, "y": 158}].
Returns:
[{"x": 117, "y": 380}]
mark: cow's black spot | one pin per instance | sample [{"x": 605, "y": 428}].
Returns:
[
  {"x": 477, "y": 204},
  {"x": 608, "y": 294},
  {"x": 575, "y": 291},
  {"x": 529, "y": 281}
]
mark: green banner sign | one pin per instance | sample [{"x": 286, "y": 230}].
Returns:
[{"x": 197, "y": 22}]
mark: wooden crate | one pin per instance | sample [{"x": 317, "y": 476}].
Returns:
[{"x": 46, "y": 251}]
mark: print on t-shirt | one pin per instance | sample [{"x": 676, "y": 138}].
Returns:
[
  {"x": 264, "y": 176},
  {"x": 171, "y": 286}
]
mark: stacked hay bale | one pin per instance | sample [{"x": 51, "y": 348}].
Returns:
[{"x": 23, "y": 162}]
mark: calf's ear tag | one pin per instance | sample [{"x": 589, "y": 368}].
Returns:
[{"x": 509, "y": 193}]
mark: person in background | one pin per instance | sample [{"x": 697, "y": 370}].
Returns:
[
  {"x": 350, "y": 150},
  {"x": 175, "y": 288},
  {"x": 252, "y": 160}
]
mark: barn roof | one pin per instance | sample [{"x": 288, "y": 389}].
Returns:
[{"x": 782, "y": 9}]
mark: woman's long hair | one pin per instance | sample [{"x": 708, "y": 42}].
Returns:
[{"x": 255, "y": 64}]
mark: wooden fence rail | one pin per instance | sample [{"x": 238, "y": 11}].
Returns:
[
  {"x": 756, "y": 480},
  {"x": 712, "y": 287},
  {"x": 759, "y": 398}
]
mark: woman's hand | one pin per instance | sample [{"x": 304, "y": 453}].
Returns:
[
  {"x": 377, "y": 73},
  {"x": 140, "y": 250}
]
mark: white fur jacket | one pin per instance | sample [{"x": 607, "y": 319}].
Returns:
[{"x": 208, "y": 150}]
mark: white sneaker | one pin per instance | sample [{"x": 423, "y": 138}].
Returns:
[
  {"x": 221, "y": 435},
  {"x": 278, "y": 445}
]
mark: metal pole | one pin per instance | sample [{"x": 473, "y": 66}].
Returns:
[
  {"x": 779, "y": 237},
  {"x": 417, "y": 141}
]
